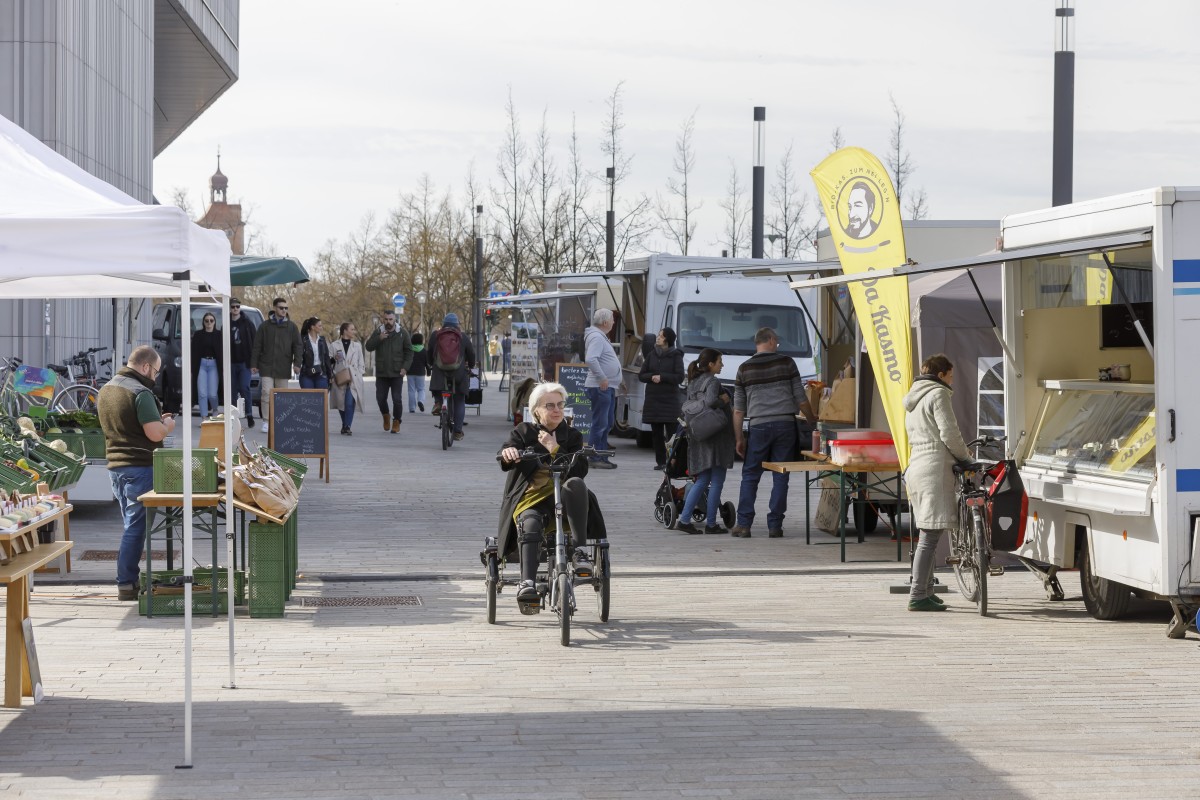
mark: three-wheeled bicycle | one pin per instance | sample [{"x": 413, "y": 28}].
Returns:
[{"x": 558, "y": 573}]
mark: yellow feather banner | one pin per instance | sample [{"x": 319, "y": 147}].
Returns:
[{"x": 864, "y": 219}]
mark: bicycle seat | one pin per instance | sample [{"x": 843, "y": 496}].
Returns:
[
  {"x": 59, "y": 368},
  {"x": 973, "y": 466}
]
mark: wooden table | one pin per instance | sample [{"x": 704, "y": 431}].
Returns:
[
  {"x": 22, "y": 555},
  {"x": 818, "y": 466}
]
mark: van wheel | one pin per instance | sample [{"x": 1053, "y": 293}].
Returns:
[{"x": 1104, "y": 599}]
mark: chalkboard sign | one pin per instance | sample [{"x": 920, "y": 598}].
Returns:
[
  {"x": 1116, "y": 326},
  {"x": 300, "y": 424},
  {"x": 572, "y": 376}
]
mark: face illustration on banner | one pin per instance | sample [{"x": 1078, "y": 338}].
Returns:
[{"x": 859, "y": 213}]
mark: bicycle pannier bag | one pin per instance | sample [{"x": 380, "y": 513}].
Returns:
[
  {"x": 1007, "y": 506},
  {"x": 449, "y": 355}
]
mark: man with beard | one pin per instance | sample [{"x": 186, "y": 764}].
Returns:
[{"x": 860, "y": 205}]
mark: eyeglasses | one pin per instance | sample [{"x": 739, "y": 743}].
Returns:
[
  {"x": 154, "y": 371},
  {"x": 234, "y": 307},
  {"x": 210, "y": 321},
  {"x": 557, "y": 406},
  {"x": 281, "y": 308}
]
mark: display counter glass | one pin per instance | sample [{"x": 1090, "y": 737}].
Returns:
[{"x": 1095, "y": 428}]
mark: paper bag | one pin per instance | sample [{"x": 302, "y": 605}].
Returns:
[
  {"x": 839, "y": 406},
  {"x": 814, "y": 390}
]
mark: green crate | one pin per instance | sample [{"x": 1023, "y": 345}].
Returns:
[
  {"x": 168, "y": 470},
  {"x": 15, "y": 480},
  {"x": 86, "y": 443},
  {"x": 268, "y": 569},
  {"x": 170, "y": 603},
  {"x": 72, "y": 467}
]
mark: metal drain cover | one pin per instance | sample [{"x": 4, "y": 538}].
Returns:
[
  {"x": 361, "y": 602},
  {"x": 111, "y": 555}
]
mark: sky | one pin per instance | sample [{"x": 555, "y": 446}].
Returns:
[{"x": 340, "y": 108}]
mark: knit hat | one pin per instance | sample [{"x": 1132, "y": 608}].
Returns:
[{"x": 451, "y": 320}]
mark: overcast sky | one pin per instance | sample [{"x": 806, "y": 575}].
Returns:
[{"x": 339, "y": 108}]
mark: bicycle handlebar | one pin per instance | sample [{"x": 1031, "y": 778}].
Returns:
[{"x": 561, "y": 461}]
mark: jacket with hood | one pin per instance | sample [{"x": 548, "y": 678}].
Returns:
[{"x": 936, "y": 445}]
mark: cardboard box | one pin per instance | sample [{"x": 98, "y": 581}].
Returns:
[{"x": 212, "y": 434}]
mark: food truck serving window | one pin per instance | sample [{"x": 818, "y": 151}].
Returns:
[
  {"x": 1105, "y": 432},
  {"x": 1087, "y": 280}
]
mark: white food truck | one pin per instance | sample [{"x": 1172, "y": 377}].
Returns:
[{"x": 706, "y": 306}]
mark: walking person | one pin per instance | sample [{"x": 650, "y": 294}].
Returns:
[
  {"x": 662, "y": 372},
  {"x": 600, "y": 385},
  {"x": 241, "y": 344},
  {"x": 275, "y": 355},
  {"x": 417, "y": 373},
  {"x": 207, "y": 365},
  {"x": 769, "y": 393},
  {"x": 134, "y": 427},
  {"x": 709, "y": 459},
  {"x": 493, "y": 353},
  {"x": 935, "y": 444},
  {"x": 393, "y": 356},
  {"x": 452, "y": 357},
  {"x": 314, "y": 357},
  {"x": 506, "y": 353},
  {"x": 348, "y": 362}
]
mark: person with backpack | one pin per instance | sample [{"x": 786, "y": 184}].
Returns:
[
  {"x": 393, "y": 358},
  {"x": 709, "y": 457},
  {"x": 451, "y": 357}
]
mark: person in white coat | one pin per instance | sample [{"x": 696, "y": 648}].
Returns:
[
  {"x": 936, "y": 446},
  {"x": 347, "y": 353}
]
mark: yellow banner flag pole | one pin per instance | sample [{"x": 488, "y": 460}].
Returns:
[{"x": 864, "y": 220}]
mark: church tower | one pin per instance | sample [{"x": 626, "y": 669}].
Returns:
[{"x": 220, "y": 215}]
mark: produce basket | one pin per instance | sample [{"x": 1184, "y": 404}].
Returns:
[
  {"x": 168, "y": 470},
  {"x": 167, "y": 600}
]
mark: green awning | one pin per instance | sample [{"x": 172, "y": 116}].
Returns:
[{"x": 266, "y": 270}]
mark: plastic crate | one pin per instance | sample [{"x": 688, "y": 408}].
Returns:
[
  {"x": 16, "y": 480},
  {"x": 87, "y": 443},
  {"x": 848, "y": 452},
  {"x": 296, "y": 468},
  {"x": 168, "y": 602},
  {"x": 268, "y": 586},
  {"x": 168, "y": 470},
  {"x": 72, "y": 467}
]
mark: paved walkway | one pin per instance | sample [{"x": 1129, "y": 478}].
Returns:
[{"x": 730, "y": 668}]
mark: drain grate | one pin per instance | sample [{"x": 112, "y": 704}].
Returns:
[
  {"x": 111, "y": 555},
  {"x": 361, "y": 602}
]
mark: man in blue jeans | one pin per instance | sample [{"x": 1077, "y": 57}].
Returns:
[
  {"x": 134, "y": 426},
  {"x": 604, "y": 375},
  {"x": 769, "y": 392}
]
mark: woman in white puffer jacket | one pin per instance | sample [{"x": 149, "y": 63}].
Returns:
[{"x": 936, "y": 445}]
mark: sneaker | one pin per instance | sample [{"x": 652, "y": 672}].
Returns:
[
  {"x": 349, "y": 432},
  {"x": 421, "y": 406},
  {"x": 937, "y": 599},
  {"x": 249, "y": 422},
  {"x": 387, "y": 422},
  {"x": 527, "y": 592},
  {"x": 602, "y": 464},
  {"x": 458, "y": 436},
  {"x": 127, "y": 592},
  {"x": 583, "y": 563},
  {"x": 741, "y": 531},
  {"x": 437, "y": 409},
  {"x": 685, "y": 527},
  {"x": 265, "y": 427},
  {"x": 926, "y": 604},
  {"x": 775, "y": 533},
  {"x": 395, "y": 426},
  {"x": 659, "y": 467},
  {"x": 718, "y": 528}
]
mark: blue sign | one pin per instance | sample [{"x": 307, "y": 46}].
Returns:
[
  {"x": 398, "y": 301},
  {"x": 525, "y": 291}
]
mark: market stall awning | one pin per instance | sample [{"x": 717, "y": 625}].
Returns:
[
  {"x": 538, "y": 298},
  {"x": 266, "y": 270},
  {"x": 763, "y": 268}
]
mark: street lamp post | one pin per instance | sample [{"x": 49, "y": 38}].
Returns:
[
  {"x": 610, "y": 221},
  {"x": 759, "y": 182},
  {"x": 421, "y": 298},
  {"x": 476, "y": 306},
  {"x": 1064, "y": 102}
]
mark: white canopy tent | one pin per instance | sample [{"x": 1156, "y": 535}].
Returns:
[{"x": 66, "y": 234}]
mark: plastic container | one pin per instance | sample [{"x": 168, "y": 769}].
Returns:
[
  {"x": 168, "y": 470},
  {"x": 850, "y": 452}
]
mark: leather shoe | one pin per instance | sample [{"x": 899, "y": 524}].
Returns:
[
  {"x": 395, "y": 426},
  {"x": 741, "y": 531},
  {"x": 775, "y": 533},
  {"x": 127, "y": 592},
  {"x": 387, "y": 422}
]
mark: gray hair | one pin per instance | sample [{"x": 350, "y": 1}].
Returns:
[
  {"x": 540, "y": 391},
  {"x": 603, "y": 316}
]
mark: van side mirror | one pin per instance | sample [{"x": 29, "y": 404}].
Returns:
[{"x": 160, "y": 334}]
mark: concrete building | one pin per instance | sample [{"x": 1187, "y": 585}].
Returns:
[{"x": 109, "y": 85}]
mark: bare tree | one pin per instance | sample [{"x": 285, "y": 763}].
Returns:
[
  {"x": 181, "y": 198},
  {"x": 580, "y": 241},
  {"x": 836, "y": 140},
  {"x": 632, "y": 223},
  {"x": 918, "y": 205},
  {"x": 548, "y": 205},
  {"x": 789, "y": 207},
  {"x": 512, "y": 199},
  {"x": 735, "y": 237},
  {"x": 679, "y": 220},
  {"x": 899, "y": 161}
]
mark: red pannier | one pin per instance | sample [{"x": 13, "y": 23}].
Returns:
[{"x": 1007, "y": 506}]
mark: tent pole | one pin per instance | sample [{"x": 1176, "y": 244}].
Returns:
[
  {"x": 185, "y": 422},
  {"x": 230, "y": 415},
  {"x": 1008, "y": 354}
]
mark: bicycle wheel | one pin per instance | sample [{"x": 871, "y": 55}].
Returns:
[
  {"x": 962, "y": 550},
  {"x": 493, "y": 587},
  {"x": 602, "y": 579},
  {"x": 79, "y": 397},
  {"x": 982, "y": 558},
  {"x": 563, "y": 591},
  {"x": 447, "y": 434}
]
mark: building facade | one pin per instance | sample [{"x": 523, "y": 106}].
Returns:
[{"x": 108, "y": 85}]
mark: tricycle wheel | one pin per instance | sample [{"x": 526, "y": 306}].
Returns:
[{"x": 492, "y": 582}]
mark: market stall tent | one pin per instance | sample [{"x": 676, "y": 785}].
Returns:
[{"x": 66, "y": 234}]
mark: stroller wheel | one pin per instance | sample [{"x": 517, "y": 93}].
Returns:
[
  {"x": 728, "y": 513},
  {"x": 699, "y": 515},
  {"x": 668, "y": 515},
  {"x": 658, "y": 513}
]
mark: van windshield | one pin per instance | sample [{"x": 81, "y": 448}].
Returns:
[{"x": 730, "y": 328}]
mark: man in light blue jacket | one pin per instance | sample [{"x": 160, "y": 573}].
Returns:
[{"x": 604, "y": 375}]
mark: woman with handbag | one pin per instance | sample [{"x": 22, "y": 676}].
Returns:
[
  {"x": 348, "y": 368},
  {"x": 314, "y": 356},
  {"x": 662, "y": 372},
  {"x": 710, "y": 440}
]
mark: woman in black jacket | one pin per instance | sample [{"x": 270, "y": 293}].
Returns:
[
  {"x": 528, "y": 502},
  {"x": 207, "y": 365},
  {"x": 314, "y": 356},
  {"x": 662, "y": 372}
]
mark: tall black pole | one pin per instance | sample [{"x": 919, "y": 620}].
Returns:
[
  {"x": 610, "y": 222},
  {"x": 477, "y": 308},
  {"x": 760, "y": 182},
  {"x": 1064, "y": 102}
]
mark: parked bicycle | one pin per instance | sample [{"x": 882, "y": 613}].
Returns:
[
  {"x": 971, "y": 540},
  {"x": 83, "y": 382}
]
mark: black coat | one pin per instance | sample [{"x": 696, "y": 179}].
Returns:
[
  {"x": 664, "y": 400},
  {"x": 208, "y": 345},
  {"x": 321, "y": 363},
  {"x": 523, "y": 436}
]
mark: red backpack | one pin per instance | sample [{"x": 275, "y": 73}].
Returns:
[{"x": 448, "y": 356}]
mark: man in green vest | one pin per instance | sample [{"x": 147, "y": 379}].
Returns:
[{"x": 134, "y": 427}]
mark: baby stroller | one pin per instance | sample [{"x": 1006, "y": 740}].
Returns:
[{"x": 668, "y": 500}]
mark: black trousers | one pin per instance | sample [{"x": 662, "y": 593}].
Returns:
[
  {"x": 396, "y": 387},
  {"x": 661, "y": 432},
  {"x": 531, "y": 524}
]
